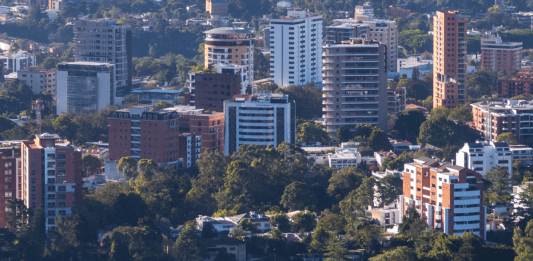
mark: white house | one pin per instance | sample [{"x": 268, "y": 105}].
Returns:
[{"x": 482, "y": 156}]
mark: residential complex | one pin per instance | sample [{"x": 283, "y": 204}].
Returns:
[
  {"x": 355, "y": 76},
  {"x": 482, "y": 156},
  {"x": 105, "y": 41},
  {"x": 449, "y": 56},
  {"x": 84, "y": 87},
  {"x": 500, "y": 56},
  {"x": 210, "y": 89},
  {"x": 38, "y": 80},
  {"x": 14, "y": 62},
  {"x": 9, "y": 174},
  {"x": 339, "y": 32},
  {"x": 407, "y": 65},
  {"x": 396, "y": 99},
  {"x": 493, "y": 118},
  {"x": 449, "y": 197},
  {"x": 51, "y": 176},
  {"x": 349, "y": 157},
  {"x": 521, "y": 83},
  {"x": 296, "y": 48},
  {"x": 217, "y": 7},
  {"x": 262, "y": 119},
  {"x": 365, "y": 9},
  {"x": 228, "y": 45}
]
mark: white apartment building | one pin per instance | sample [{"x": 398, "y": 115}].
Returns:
[
  {"x": 296, "y": 48},
  {"x": 262, "y": 119},
  {"x": 521, "y": 152},
  {"x": 383, "y": 31},
  {"x": 105, "y": 41},
  {"x": 366, "y": 9},
  {"x": 14, "y": 62},
  {"x": 406, "y": 66},
  {"x": 344, "y": 158},
  {"x": 482, "y": 156}
]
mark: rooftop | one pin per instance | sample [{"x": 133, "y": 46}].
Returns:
[{"x": 228, "y": 30}]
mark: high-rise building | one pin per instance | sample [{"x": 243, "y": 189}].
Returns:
[
  {"x": 51, "y": 176},
  {"x": 449, "y": 197},
  {"x": 228, "y": 45},
  {"x": 449, "y": 60},
  {"x": 263, "y": 119},
  {"x": 493, "y": 118},
  {"x": 105, "y": 41},
  {"x": 339, "y": 32},
  {"x": 189, "y": 148},
  {"x": 9, "y": 174},
  {"x": 84, "y": 87},
  {"x": 355, "y": 76},
  {"x": 210, "y": 89},
  {"x": 521, "y": 83},
  {"x": 38, "y": 80},
  {"x": 210, "y": 126},
  {"x": 296, "y": 48},
  {"x": 384, "y": 31},
  {"x": 500, "y": 56}
]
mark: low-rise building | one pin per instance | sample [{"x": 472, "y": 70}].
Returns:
[
  {"x": 344, "y": 158},
  {"x": 517, "y": 197},
  {"x": 493, "y": 118},
  {"x": 521, "y": 152},
  {"x": 217, "y": 7},
  {"x": 500, "y": 56},
  {"x": 396, "y": 99},
  {"x": 388, "y": 215},
  {"x": 215, "y": 246},
  {"x": 381, "y": 155},
  {"x": 482, "y": 156},
  {"x": 381, "y": 174},
  {"x": 407, "y": 65},
  {"x": 14, "y": 62},
  {"x": 38, "y": 80},
  {"x": 520, "y": 84}
]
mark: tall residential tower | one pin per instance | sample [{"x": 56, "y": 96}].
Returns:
[{"x": 449, "y": 60}]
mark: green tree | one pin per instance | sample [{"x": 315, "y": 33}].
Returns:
[
  {"x": 343, "y": 134},
  {"x": 65, "y": 127},
  {"x": 508, "y": 137},
  {"x": 408, "y": 124},
  {"x": 401, "y": 253},
  {"x": 379, "y": 141},
  {"x": 280, "y": 222},
  {"x": 18, "y": 214},
  {"x": 336, "y": 250},
  {"x": 523, "y": 243},
  {"x": 481, "y": 83},
  {"x": 312, "y": 132},
  {"x": 343, "y": 181},
  {"x": 308, "y": 99},
  {"x": 461, "y": 113},
  {"x": 90, "y": 164},
  {"x": 298, "y": 196},
  {"x": 128, "y": 167},
  {"x": 499, "y": 179},
  {"x": 303, "y": 221},
  {"x": 186, "y": 246},
  {"x": 31, "y": 238},
  {"x": 389, "y": 188},
  {"x": 412, "y": 224},
  {"x": 209, "y": 231},
  {"x": 333, "y": 223}
]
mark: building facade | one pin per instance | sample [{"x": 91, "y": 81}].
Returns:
[
  {"x": 51, "y": 176},
  {"x": 494, "y": 118},
  {"x": 14, "y": 62},
  {"x": 9, "y": 174},
  {"x": 84, "y": 87},
  {"x": 105, "y": 41},
  {"x": 189, "y": 145},
  {"x": 210, "y": 126},
  {"x": 339, "y": 32},
  {"x": 263, "y": 119},
  {"x": 38, "y": 80},
  {"x": 521, "y": 83},
  {"x": 210, "y": 89},
  {"x": 365, "y": 9},
  {"x": 355, "y": 76},
  {"x": 482, "y": 156},
  {"x": 500, "y": 56},
  {"x": 449, "y": 60},
  {"x": 217, "y": 7},
  {"x": 449, "y": 197},
  {"x": 296, "y": 48},
  {"x": 228, "y": 45},
  {"x": 396, "y": 100}
]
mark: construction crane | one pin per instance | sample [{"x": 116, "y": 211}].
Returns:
[{"x": 38, "y": 107}]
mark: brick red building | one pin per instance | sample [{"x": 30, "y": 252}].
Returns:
[
  {"x": 142, "y": 133},
  {"x": 500, "y": 56},
  {"x": 521, "y": 83},
  {"x": 51, "y": 176},
  {"x": 217, "y": 7},
  {"x": 9, "y": 173},
  {"x": 396, "y": 12},
  {"x": 449, "y": 197}
]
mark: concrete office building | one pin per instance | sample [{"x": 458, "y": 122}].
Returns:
[
  {"x": 263, "y": 119},
  {"x": 521, "y": 83},
  {"x": 482, "y": 156},
  {"x": 339, "y": 32},
  {"x": 493, "y": 118},
  {"x": 51, "y": 176},
  {"x": 105, "y": 41},
  {"x": 296, "y": 48},
  {"x": 500, "y": 56},
  {"x": 84, "y": 87},
  {"x": 38, "y": 80},
  {"x": 355, "y": 76},
  {"x": 228, "y": 45},
  {"x": 448, "y": 197},
  {"x": 9, "y": 174},
  {"x": 449, "y": 60}
]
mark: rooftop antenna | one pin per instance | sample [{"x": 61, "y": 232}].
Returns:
[{"x": 38, "y": 107}]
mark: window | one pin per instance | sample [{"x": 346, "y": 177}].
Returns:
[
  {"x": 62, "y": 196},
  {"x": 61, "y": 156},
  {"x": 51, "y": 204},
  {"x": 62, "y": 204},
  {"x": 51, "y": 188},
  {"x": 51, "y": 196},
  {"x": 61, "y": 188},
  {"x": 33, "y": 196}
]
